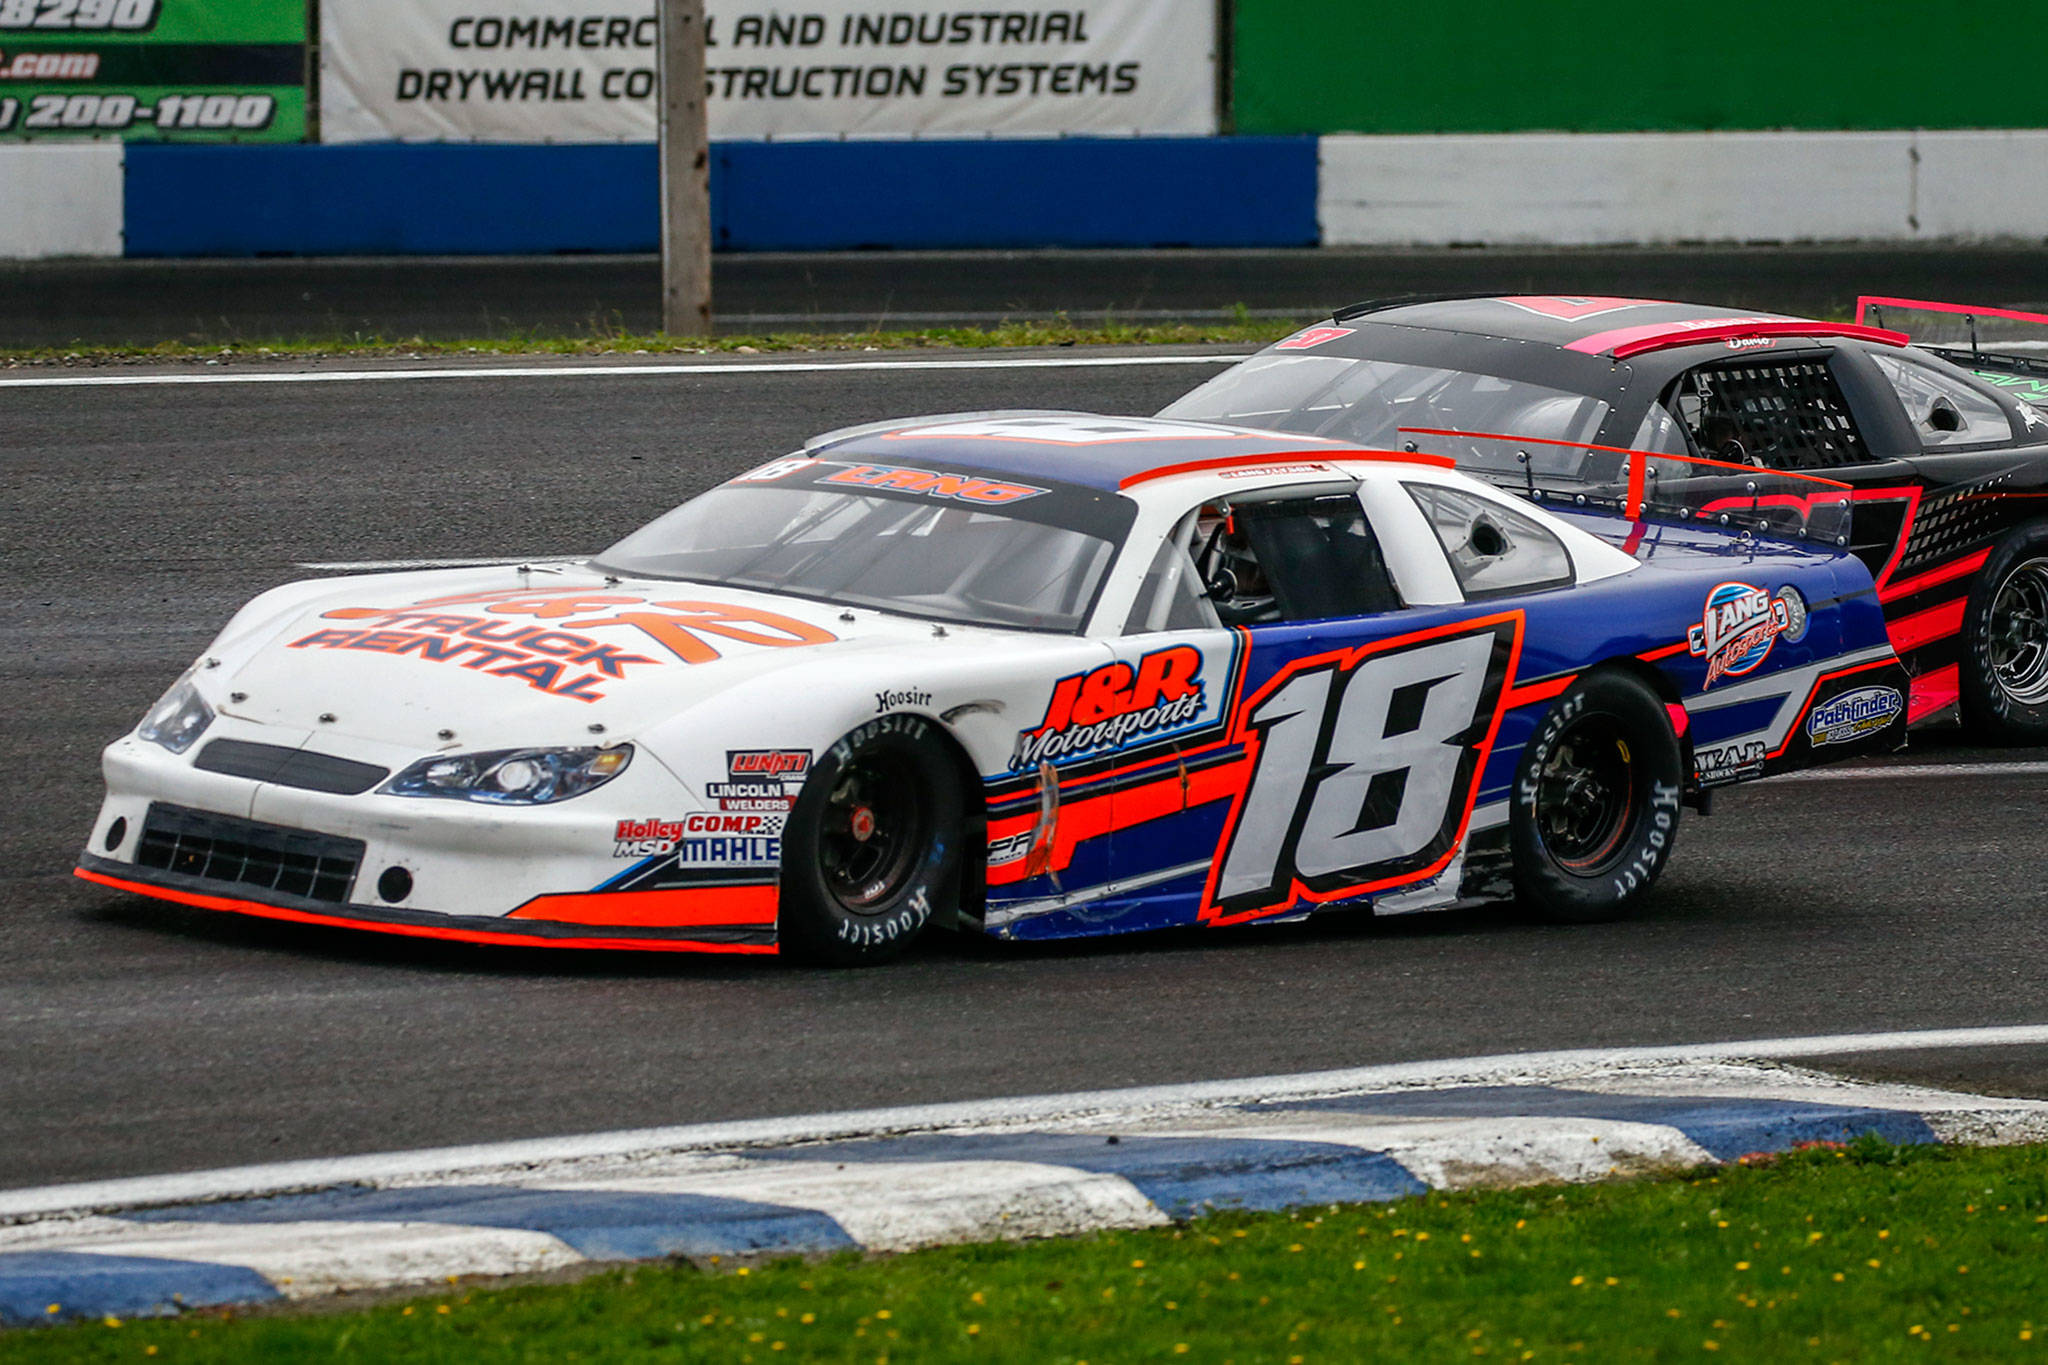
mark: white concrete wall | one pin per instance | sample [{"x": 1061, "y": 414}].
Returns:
[
  {"x": 60, "y": 199},
  {"x": 1600, "y": 188}
]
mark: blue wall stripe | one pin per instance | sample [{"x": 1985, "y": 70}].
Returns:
[
  {"x": 601, "y": 1224},
  {"x": 83, "y": 1285},
  {"x": 1727, "y": 1127},
  {"x": 1181, "y": 1175},
  {"x": 457, "y": 199}
]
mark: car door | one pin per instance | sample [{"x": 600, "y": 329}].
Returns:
[{"x": 1356, "y": 720}]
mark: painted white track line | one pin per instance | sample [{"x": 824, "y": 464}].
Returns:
[
  {"x": 284, "y": 1177},
  {"x": 1915, "y": 770},
  {"x": 62, "y": 381}
]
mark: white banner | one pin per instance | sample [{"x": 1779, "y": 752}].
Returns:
[{"x": 584, "y": 70}]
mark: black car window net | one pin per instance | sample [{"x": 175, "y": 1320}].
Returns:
[
  {"x": 1318, "y": 557},
  {"x": 1783, "y": 415}
]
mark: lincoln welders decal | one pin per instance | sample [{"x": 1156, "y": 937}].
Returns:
[
  {"x": 557, "y": 658},
  {"x": 1737, "y": 629},
  {"x": 1366, "y": 763},
  {"x": 1853, "y": 715},
  {"x": 761, "y": 779},
  {"x": 1110, "y": 706}
]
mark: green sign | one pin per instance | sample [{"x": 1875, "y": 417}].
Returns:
[{"x": 156, "y": 70}]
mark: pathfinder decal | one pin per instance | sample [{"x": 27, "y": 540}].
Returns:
[
  {"x": 1107, "y": 707},
  {"x": 1853, "y": 715},
  {"x": 1366, "y": 764},
  {"x": 1737, "y": 629}
]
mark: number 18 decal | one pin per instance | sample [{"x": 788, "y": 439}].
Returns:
[{"x": 1366, "y": 763}]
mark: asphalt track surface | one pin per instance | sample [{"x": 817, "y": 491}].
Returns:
[
  {"x": 117, "y": 302},
  {"x": 139, "y": 1038}
]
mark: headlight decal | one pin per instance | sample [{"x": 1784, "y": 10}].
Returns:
[
  {"x": 178, "y": 719},
  {"x": 512, "y": 777}
]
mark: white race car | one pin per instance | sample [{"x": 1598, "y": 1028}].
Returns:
[{"x": 1031, "y": 675}]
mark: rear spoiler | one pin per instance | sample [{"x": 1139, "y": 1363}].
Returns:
[{"x": 1970, "y": 330}]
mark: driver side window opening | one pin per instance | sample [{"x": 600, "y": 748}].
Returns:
[
  {"x": 1779, "y": 415},
  {"x": 1492, "y": 549},
  {"x": 1268, "y": 560}
]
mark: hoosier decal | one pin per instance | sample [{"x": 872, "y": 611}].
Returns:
[
  {"x": 1109, "y": 706},
  {"x": 1737, "y": 629}
]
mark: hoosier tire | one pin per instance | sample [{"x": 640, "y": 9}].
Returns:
[
  {"x": 872, "y": 848},
  {"x": 2003, "y": 678},
  {"x": 1595, "y": 808}
]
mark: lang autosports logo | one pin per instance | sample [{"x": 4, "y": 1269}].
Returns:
[
  {"x": 1738, "y": 627},
  {"x": 1851, "y": 716},
  {"x": 1110, "y": 706}
]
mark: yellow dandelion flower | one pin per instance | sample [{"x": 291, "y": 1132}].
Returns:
[
  {"x": 881, "y": 1312},
  {"x": 111, "y": 1321},
  {"x": 1180, "y": 1348},
  {"x": 1578, "y": 1279},
  {"x": 1422, "y": 1237},
  {"x": 1742, "y": 1265},
  {"x": 1873, "y": 1264},
  {"x": 444, "y": 1310},
  {"x": 1710, "y": 1345},
  {"x": 808, "y": 1318},
  {"x": 1612, "y": 1281},
  {"x": 741, "y": 1271},
  {"x": 973, "y": 1329},
  {"x": 1839, "y": 1277},
  {"x": 1358, "y": 1265},
  {"x": 1137, "y": 1265}
]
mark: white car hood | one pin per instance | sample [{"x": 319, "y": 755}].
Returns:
[{"x": 500, "y": 657}]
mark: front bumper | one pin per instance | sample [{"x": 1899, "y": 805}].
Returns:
[
  {"x": 730, "y": 919},
  {"x": 417, "y": 867}
]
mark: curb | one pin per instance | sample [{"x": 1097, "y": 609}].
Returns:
[{"x": 898, "y": 1180}]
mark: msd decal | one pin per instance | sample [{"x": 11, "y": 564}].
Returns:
[
  {"x": 1737, "y": 629},
  {"x": 702, "y": 838},
  {"x": 1109, "y": 706},
  {"x": 1853, "y": 715}
]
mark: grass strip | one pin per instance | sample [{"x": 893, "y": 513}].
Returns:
[
  {"x": 1869, "y": 1253},
  {"x": 1243, "y": 330}
]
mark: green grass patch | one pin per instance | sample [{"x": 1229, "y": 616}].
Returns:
[
  {"x": 1242, "y": 329},
  {"x": 1870, "y": 1253}
]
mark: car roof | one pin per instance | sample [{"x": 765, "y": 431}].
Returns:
[
  {"x": 1558, "y": 319},
  {"x": 1110, "y": 453}
]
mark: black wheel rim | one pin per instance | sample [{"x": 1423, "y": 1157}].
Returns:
[
  {"x": 873, "y": 834},
  {"x": 1586, "y": 795},
  {"x": 2019, "y": 633}
]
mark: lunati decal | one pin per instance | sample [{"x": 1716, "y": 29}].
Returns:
[
  {"x": 1737, "y": 629},
  {"x": 1110, "y": 706}
]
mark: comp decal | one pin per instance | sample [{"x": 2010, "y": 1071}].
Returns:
[
  {"x": 1109, "y": 706},
  {"x": 702, "y": 839},
  {"x": 560, "y": 658},
  {"x": 1365, "y": 767},
  {"x": 1738, "y": 626}
]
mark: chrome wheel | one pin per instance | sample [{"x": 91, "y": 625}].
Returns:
[
  {"x": 1586, "y": 795},
  {"x": 2018, "y": 633}
]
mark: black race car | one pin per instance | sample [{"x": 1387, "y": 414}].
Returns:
[{"x": 1943, "y": 446}]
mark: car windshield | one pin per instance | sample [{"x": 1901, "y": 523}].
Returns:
[
  {"x": 1382, "y": 403},
  {"x": 969, "y": 547}
]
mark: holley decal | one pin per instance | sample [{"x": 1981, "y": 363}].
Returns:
[{"x": 1737, "y": 629}]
